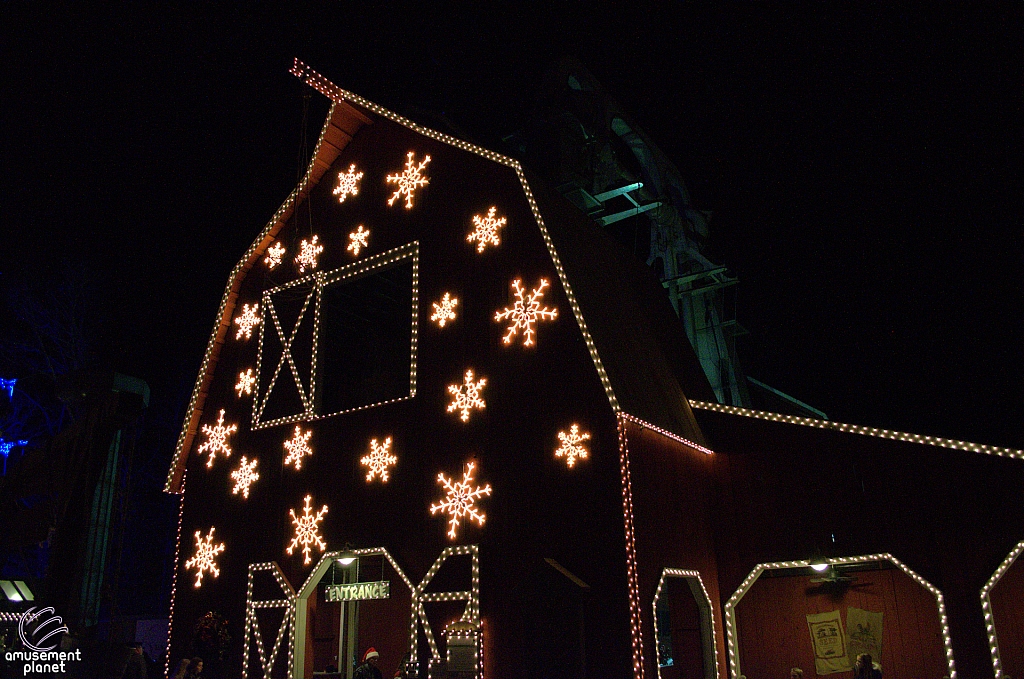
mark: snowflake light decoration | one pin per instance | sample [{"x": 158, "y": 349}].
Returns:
[
  {"x": 275, "y": 255},
  {"x": 460, "y": 499},
  {"x": 245, "y": 476},
  {"x": 378, "y": 460},
  {"x": 217, "y": 439},
  {"x": 525, "y": 312},
  {"x": 348, "y": 183},
  {"x": 245, "y": 383},
  {"x": 571, "y": 448},
  {"x": 309, "y": 251},
  {"x": 357, "y": 240},
  {"x": 247, "y": 320},
  {"x": 466, "y": 396},
  {"x": 298, "y": 448},
  {"x": 307, "y": 530},
  {"x": 204, "y": 560},
  {"x": 486, "y": 230},
  {"x": 444, "y": 310},
  {"x": 409, "y": 180}
]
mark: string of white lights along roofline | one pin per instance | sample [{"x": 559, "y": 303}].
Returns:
[
  {"x": 864, "y": 431},
  {"x": 986, "y": 607},
  {"x": 729, "y": 609}
]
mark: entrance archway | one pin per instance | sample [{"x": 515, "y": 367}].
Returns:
[
  {"x": 329, "y": 630},
  {"x": 775, "y": 627},
  {"x": 1002, "y": 600},
  {"x": 683, "y": 620}
]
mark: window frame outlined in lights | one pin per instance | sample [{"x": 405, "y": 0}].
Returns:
[{"x": 316, "y": 286}]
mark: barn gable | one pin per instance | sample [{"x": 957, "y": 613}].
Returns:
[{"x": 402, "y": 370}]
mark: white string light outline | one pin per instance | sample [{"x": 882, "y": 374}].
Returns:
[
  {"x": 986, "y": 607},
  {"x": 259, "y": 405},
  {"x": 706, "y": 608},
  {"x": 275, "y": 255},
  {"x": 216, "y": 439},
  {"x": 319, "y": 282},
  {"x": 309, "y": 254},
  {"x": 285, "y": 632},
  {"x": 379, "y": 459},
  {"x": 245, "y": 383},
  {"x": 307, "y": 530},
  {"x": 247, "y": 320},
  {"x": 864, "y": 431},
  {"x": 729, "y": 609},
  {"x": 357, "y": 240},
  {"x": 298, "y": 447},
  {"x": 444, "y": 310},
  {"x": 460, "y": 499},
  {"x": 571, "y": 447},
  {"x": 245, "y": 476},
  {"x": 205, "y": 557}
]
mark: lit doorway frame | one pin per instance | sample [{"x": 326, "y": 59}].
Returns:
[
  {"x": 729, "y": 609},
  {"x": 986, "y": 607},
  {"x": 707, "y": 619}
]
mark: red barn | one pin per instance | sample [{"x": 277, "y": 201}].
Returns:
[{"x": 442, "y": 415}]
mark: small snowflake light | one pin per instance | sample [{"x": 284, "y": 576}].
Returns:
[
  {"x": 571, "y": 448},
  {"x": 444, "y": 310},
  {"x": 357, "y": 240},
  {"x": 298, "y": 447},
  {"x": 378, "y": 460},
  {"x": 410, "y": 179},
  {"x": 460, "y": 499},
  {"x": 348, "y": 183},
  {"x": 204, "y": 560},
  {"x": 275, "y": 255},
  {"x": 216, "y": 439},
  {"x": 525, "y": 313},
  {"x": 247, "y": 320},
  {"x": 309, "y": 252},
  {"x": 307, "y": 530},
  {"x": 466, "y": 396},
  {"x": 485, "y": 230},
  {"x": 245, "y": 383},
  {"x": 245, "y": 476}
]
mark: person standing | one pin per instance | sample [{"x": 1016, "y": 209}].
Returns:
[
  {"x": 369, "y": 669},
  {"x": 136, "y": 667}
]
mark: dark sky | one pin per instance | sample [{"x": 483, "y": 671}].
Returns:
[{"x": 863, "y": 166}]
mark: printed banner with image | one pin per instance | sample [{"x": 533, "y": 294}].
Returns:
[
  {"x": 863, "y": 634},
  {"x": 829, "y": 642}
]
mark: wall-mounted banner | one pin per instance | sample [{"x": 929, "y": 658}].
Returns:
[
  {"x": 829, "y": 642},
  {"x": 358, "y": 591},
  {"x": 864, "y": 634}
]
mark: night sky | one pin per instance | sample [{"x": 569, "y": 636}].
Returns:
[{"x": 863, "y": 168}]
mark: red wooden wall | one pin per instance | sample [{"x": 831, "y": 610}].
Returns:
[
  {"x": 1008, "y": 612},
  {"x": 773, "y": 635}
]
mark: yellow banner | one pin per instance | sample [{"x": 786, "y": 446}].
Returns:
[{"x": 829, "y": 642}]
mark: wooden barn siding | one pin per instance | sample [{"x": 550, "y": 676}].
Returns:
[
  {"x": 672, "y": 496},
  {"x": 1008, "y": 612},
  {"x": 773, "y": 634},
  {"x": 950, "y": 515}
]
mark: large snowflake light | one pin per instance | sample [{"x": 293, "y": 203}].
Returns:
[
  {"x": 460, "y": 499},
  {"x": 298, "y": 447},
  {"x": 357, "y": 240},
  {"x": 410, "y": 179},
  {"x": 247, "y": 320},
  {"x": 307, "y": 530},
  {"x": 378, "y": 460},
  {"x": 485, "y": 230},
  {"x": 444, "y": 310},
  {"x": 467, "y": 396},
  {"x": 217, "y": 439},
  {"x": 245, "y": 476},
  {"x": 204, "y": 560},
  {"x": 348, "y": 183},
  {"x": 245, "y": 383},
  {"x": 571, "y": 448},
  {"x": 525, "y": 313},
  {"x": 275, "y": 255},
  {"x": 309, "y": 251}
]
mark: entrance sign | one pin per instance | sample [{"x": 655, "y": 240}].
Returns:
[{"x": 358, "y": 591}]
